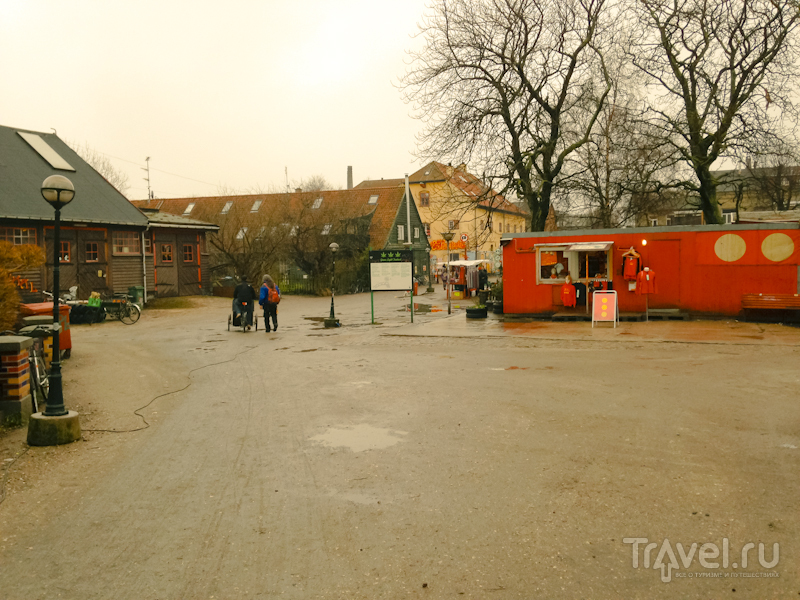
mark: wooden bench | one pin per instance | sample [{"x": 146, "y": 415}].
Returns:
[{"x": 788, "y": 304}]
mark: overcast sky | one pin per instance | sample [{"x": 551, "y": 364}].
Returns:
[{"x": 216, "y": 93}]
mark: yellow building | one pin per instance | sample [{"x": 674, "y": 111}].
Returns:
[{"x": 451, "y": 199}]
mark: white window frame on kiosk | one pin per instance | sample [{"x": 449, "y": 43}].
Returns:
[{"x": 571, "y": 252}]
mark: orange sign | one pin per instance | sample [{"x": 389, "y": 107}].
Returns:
[
  {"x": 442, "y": 245},
  {"x": 604, "y": 307},
  {"x": 549, "y": 258}
]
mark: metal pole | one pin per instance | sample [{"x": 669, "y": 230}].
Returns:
[
  {"x": 408, "y": 211},
  {"x": 55, "y": 399},
  {"x": 333, "y": 284},
  {"x": 449, "y": 309}
]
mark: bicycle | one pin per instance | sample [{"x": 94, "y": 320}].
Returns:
[
  {"x": 120, "y": 307},
  {"x": 39, "y": 375}
]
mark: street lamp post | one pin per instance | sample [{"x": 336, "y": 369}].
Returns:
[
  {"x": 56, "y": 425},
  {"x": 58, "y": 191},
  {"x": 332, "y": 321},
  {"x": 430, "y": 271},
  {"x": 448, "y": 235}
]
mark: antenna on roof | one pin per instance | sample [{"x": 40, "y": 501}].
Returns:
[
  {"x": 147, "y": 179},
  {"x": 286, "y": 173}
]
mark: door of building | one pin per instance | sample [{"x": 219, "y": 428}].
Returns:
[{"x": 664, "y": 257}]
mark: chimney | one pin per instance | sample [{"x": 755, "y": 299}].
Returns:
[
  {"x": 349, "y": 178},
  {"x": 298, "y": 190}
]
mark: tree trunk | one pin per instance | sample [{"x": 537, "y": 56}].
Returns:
[{"x": 712, "y": 214}]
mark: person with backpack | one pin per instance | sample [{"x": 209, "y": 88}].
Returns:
[{"x": 268, "y": 298}]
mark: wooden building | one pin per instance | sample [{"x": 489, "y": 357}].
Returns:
[{"x": 104, "y": 238}]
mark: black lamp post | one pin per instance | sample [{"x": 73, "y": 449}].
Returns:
[
  {"x": 331, "y": 321},
  {"x": 448, "y": 235},
  {"x": 430, "y": 271},
  {"x": 58, "y": 191}
]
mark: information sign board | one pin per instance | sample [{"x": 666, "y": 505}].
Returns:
[{"x": 390, "y": 270}]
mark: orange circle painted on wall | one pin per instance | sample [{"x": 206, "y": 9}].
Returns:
[
  {"x": 777, "y": 247},
  {"x": 730, "y": 247}
]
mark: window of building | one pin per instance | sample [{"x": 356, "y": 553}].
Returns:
[
  {"x": 92, "y": 252},
  {"x": 653, "y": 222},
  {"x": 188, "y": 209},
  {"x": 401, "y": 233},
  {"x": 256, "y": 206},
  {"x": 126, "y": 242},
  {"x": 416, "y": 233},
  {"x": 500, "y": 227},
  {"x": 65, "y": 255},
  {"x": 424, "y": 198},
  {"x": 242, "y": 232},
  {"x": 188, "y": 253},
  {"x": 452, "y": 224},
  {"x": 166, "y": 253},
  {"x": 729, "y": 217},
  {"x": 373, "y": 199},
  {"x": 227, "y": 207},
  {"x": 326, "y": 229},
  {"x": 18, "y": 236},
  {"x": 555, "y": 262},
  {"x": 427, "y": 227},
  {"x": 317, "y": 203},
  {"x": 148, "y": 246}
]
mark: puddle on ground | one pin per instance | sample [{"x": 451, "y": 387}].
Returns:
[
  {"x": 420, "y": 308},
  {"x": 352, "y": 497},
  {"x": 359, "y": 438}
]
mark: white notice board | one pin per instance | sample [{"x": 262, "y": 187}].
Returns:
[{"x": 390, "y": 276}]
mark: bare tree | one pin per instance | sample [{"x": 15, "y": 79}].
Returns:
[
  {"x": 722, "y": 72},
  {"x": 312, "y": 225},
  {"x": 513, "y": 85},
  {"x": 615, "y": 172},
  {"x": 103, "y": 165},
  {"x": 315, "y": 183},
  {"x": 247, "y": 243}
]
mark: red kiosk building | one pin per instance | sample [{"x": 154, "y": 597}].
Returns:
[{"x": 698, "y": 269}]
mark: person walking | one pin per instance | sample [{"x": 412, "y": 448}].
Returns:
[
  {"x": 444, "y": 278},
  {"x": 243, "y": 297},
  {"x": 268, "y": 298}
]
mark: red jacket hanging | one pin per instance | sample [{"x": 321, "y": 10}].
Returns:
[
  {"x": 630, "y": 268},
  {"x": 568, "y": 297},
  {"x": 646, "y": 282}
]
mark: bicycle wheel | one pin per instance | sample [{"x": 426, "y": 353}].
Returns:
[
  {"x": 40, "y": 381},
  {"x": 129, "y": 314}
]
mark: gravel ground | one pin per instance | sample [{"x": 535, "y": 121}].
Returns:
[{"x": 441, "y": 459}]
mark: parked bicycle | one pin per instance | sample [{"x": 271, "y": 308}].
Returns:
[
  {"x": 119, "y": 306},
  {"x": 39, "y": 374}
]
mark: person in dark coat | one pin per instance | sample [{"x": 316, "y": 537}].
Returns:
[
  {"x": 483, "y": 278},
  {"x": 270, "y": 308},
  {"x": 244, "y": 294}
]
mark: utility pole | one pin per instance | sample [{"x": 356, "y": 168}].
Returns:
[{"x": 147, "y": 179}]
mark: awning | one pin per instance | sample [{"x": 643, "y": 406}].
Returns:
[
  {"x": 589, "y": 247},
  {"x": 468, "y": 263}
]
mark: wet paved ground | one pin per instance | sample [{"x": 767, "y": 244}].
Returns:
[{"x": 445, "y": 458}]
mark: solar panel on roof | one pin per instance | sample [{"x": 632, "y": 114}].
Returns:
[{"x": 45, "y": 151}]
